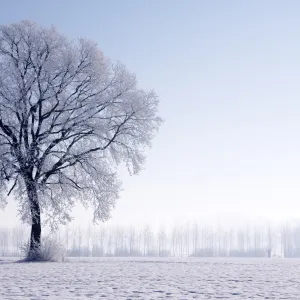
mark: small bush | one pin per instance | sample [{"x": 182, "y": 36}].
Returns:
[{"x": 50, "y": 250}]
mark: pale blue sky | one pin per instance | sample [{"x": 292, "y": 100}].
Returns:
[{"x": 227, "y": 73}]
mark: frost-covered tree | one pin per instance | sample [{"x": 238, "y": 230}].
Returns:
[{"x": 68, "y": 117}]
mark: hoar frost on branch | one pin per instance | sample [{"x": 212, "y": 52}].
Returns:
[{"x": 68, "y": 117}]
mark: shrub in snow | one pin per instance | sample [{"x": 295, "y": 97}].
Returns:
[{"x": 50, "y": 250}]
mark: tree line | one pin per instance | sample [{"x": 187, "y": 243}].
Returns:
[{"x": 177, "y": 241}]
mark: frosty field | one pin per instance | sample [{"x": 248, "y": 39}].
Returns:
[{"x": 137, "y": 278}]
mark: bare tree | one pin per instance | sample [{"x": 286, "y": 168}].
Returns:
[
  {"x": 68, "y": 116},
  {"x": 120, "y": 242},
  {"x": 195, "y": 234},
  {"x": 187, "y": 238},
  {"x": 270, "y": 241},
  {"x": 109, "y": 251},
  {"x": 132, "y": 240},
  {"x": 162, "y": 242},
  {"x": 148, "y": 241}
]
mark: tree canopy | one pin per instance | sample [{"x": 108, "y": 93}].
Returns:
[{"x": 68, "y": 117}]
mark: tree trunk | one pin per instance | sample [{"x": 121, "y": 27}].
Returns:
[{"x": 35, "y": 235}]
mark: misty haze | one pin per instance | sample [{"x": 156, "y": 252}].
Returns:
[{"x": 149, "y": 149}]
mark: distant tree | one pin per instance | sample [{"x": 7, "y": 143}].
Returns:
[
  {"x": 257, "y": 239},
  {"x": 270, "y": 241},
  {"x": 147, "y": 239},
  {"x": 98, "y": 242},
  {"x": 195, "y": 237},
  {"x": 162, "y": 242},
  {"x": 120, "y": 242},
  {"x": 68, "y": 117},
  {"x": 109, "y": 251},
  {"x": 187, "y": 238},
  {"x": 4, "y": 241},
  {"x": 132, "y": 241},
  {"x": 241, "y": 241}
]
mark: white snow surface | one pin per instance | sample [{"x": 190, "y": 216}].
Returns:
[{"x": 151, "y": 278}]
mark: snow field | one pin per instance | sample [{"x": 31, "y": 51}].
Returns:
[{"x": 151, "y": 279}]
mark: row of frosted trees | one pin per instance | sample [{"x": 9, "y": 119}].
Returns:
[{"x": 178, "y": 241}]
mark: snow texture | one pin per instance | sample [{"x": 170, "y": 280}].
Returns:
[{"x": 118, "y": 278}]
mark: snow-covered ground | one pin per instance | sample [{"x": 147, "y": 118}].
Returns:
[{"x": 132, "y": 278}]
